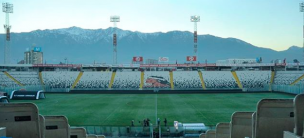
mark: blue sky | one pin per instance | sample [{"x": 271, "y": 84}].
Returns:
[{"x": 275, "y": 24}]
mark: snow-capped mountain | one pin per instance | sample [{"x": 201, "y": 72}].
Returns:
[{"x": 89, "y": 45}]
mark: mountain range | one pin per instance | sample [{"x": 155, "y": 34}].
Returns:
[{"x": 88, "y": 45}]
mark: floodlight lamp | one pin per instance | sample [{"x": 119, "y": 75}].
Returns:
[
  {"x": 302, "y": 7},
  {"x": 4, "y": 7},
  {"x": 115, "y": 19},
  {"x": 195, "y": 18},
  {"x": 7, "y": 8}
]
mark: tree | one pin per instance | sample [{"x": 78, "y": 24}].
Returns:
[{"x": 295, "y": 61}]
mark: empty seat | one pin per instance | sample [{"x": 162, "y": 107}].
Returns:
[
  {"x": 222, "y": 130},
  {"x": 2, "y": 131},
  {"x": 56, "y": 127},
  {"x": 299, "y": 114},
  {"x": 4, "y": 99},
  {"x": 298, "y": 103},
  {"x": 20, "y": 119},
  {"x": 101, "y": 136},
  {"x": 203, "y": 135},
  {"x": 273, "y": 117},
  {"x": 210, "y": 134},
  {"x": 91, "y": 136},
  {"x": 288, "y": 134},
  {"x": 42, "y": 126},
  {"x": 253, "y": 124},
  {"x": 78, "y": 132},
  {"x": 241, "y": 124}
]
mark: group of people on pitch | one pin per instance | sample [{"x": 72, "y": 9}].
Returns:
[{"x": 146, "y": 122}]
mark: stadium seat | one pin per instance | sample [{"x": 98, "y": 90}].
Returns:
[
  {"x": 210, "y": 134},
  {"x": 273, "y": 117},
  {"x": 299, "y": 114},
  {"x": 101, "y": 136},
  {"x": 299, "y": 118},
  {"x": 42, "y": 126},
  {"x": 20, "y": 119},
  {"x": 78, "y": 132},
  {"x": 288, "y": 134},
  {"x": 2, "y": 131},
  {"x": 241, "y": 124},
  {"x": 4, "y": 99},
  {"x": 222, "y": 130},
  {"x": 56, "y": 127},
  {"x": 91, "y": 136},
  {"x": 253, "y": 124},
  {"x": 203, "y": 135}
]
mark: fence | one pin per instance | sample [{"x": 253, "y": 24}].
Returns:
[
  {"x": 293, "y": 89},
  {"x": 120, "y": 131},
  {"x": 163, "y": 131}
]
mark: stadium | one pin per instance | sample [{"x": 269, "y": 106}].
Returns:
[
  {"x": 115, "y": 101},
  {"x": 231, "y": 98}
]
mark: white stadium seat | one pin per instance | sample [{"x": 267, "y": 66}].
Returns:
[
  {"x": 241, "y": 124},
  {"x": 20, "y": 119},
  {"x": 56, "y": 127},
  {"x": 273, "y": 117},
  {"x": 78, "y": 132},
  {"x": 222, "y": 130},
  {"x": 2, "y": 132},
  {"x": 210, "y": 134}
]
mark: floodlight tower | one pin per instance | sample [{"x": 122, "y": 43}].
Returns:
[
  {"x": 195, "y": 19},
  {"x": 7, "y": 8},
  {"x": 302, "y": 10},
  {"x": 114, "y": 19}
]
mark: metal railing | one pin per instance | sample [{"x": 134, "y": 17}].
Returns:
[
  {"x": 148, "y": 131},
  {"x": 120, "y": 131},
  {"x": 293, "y": 89},
  {"x": 52, "y": 89}
]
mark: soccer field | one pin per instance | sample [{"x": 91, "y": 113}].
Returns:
[{"x": 120, "y": 109}]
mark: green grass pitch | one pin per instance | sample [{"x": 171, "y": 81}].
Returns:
[{"x": 120, "y": 109}]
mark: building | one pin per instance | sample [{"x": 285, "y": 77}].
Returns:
[
  {"x": 21, "y": 62},
  {"x": 151, "y": 61},
  {"x": 34, "y": 56},
  {"x": 237, "y": 61}
]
